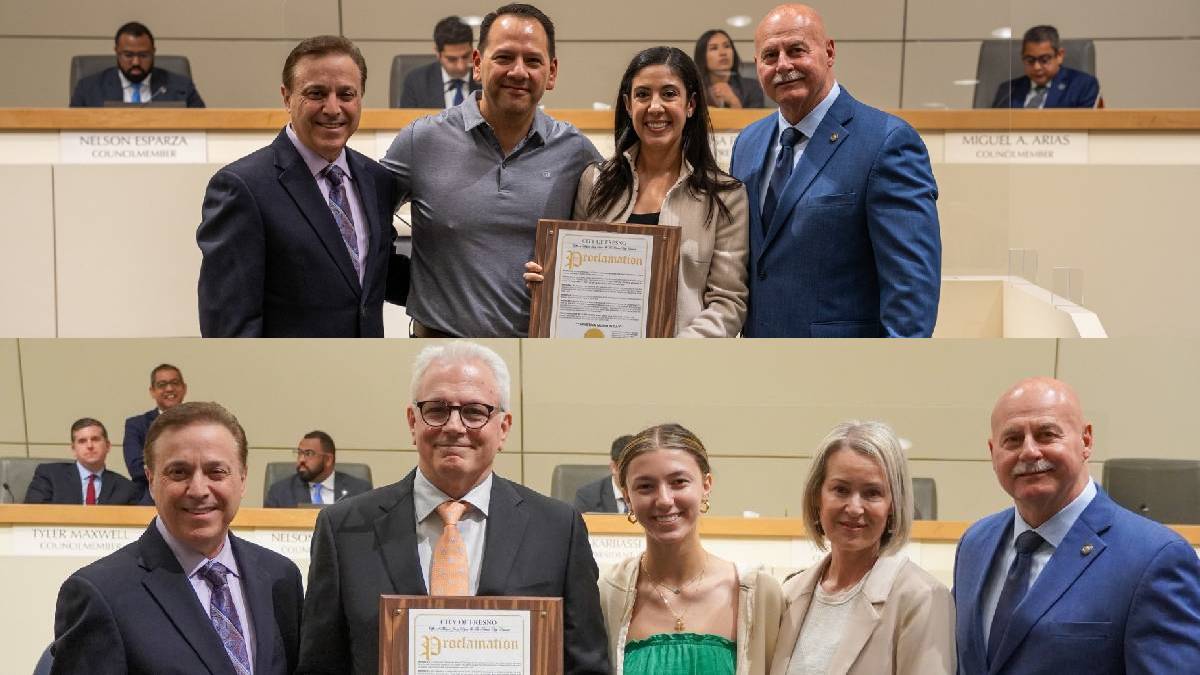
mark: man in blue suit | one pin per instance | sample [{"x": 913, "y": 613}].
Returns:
[
  {"x": 168, "y": 390},
  {"x": 1068, "y": 581},
  {"x": 134, "y": 79},
  {"x": 1046, "y": 82},
  {"x": 844, "y": 235},
  {"x": 297, "y": 237}
]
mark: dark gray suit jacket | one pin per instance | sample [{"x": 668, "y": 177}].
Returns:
[
  {"x": 93, "y": 90},
  {"x": 423, "y": 87},
  {"x": 59, "y": 483},
  {"x": 292, "y": 491},
  {"x": 365, "y": 547},
  {"x": 134, "y": 611},
  {"x": 597, "y": 497}
]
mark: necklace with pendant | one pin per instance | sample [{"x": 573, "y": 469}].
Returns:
[{"x": 659, "y": 587}]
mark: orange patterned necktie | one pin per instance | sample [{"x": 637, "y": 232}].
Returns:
[{"x": 449, "y": 568}]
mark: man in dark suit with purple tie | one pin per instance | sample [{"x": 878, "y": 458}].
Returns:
[{"x": 84, "y": 481}]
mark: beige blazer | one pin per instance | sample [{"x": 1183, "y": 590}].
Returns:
[
  {"x": 902, "y": 622},
  {"x": 759, "y": 604},
  {"x": 713, "y": 255}
]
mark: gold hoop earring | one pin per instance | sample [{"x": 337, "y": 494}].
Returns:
[
  {"x": 704, "y": 505},
  {"x": 631, "y": 518}
]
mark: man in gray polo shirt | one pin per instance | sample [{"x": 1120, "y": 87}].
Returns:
[{"x": 479, "y": 176}]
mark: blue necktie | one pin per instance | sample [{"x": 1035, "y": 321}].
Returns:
[
  {"x": 779, "y": 177},
  {"x": 339, "y": 204},
  {"x": 458, "y": 95},
  {"x": 316, "y": 497},
  {"x": 224, "y": 616},
  {"x": 135, "y": 96},
  {"x": 1015, "y": 585}
]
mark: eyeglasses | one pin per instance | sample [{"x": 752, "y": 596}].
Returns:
[
  {"x": 305, "y": 453},
  {"x": 129, "y": 56},
  {"x": 163, "y": 384},
  {"x": 473, "y": 415},
  {"x": 1044, "y": 59}
]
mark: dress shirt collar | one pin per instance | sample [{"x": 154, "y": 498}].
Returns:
[
  {"x": 473, "y": 118},
  {"x": 1056, "y": 529},
  {"x": 427, "y": 497},
  {"x": 84, "y": 472},
  {"x": 622, "y": 507},
  {"x": 316, "y": 163},
  {"x": 327, "y": 483},
  {"x": 808, "y": 125},
  {"x": 127, "y": 84},
  {"x": 191, "y": 561}
]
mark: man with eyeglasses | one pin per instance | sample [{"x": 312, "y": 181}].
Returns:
[
  {"x": 134, "y": 79},
  {"x": 450, "y": 527},
  {"x": 315, "y": 481},
  {"x": 1047, "y": 83},
  {"x": 168, "y": 390}
]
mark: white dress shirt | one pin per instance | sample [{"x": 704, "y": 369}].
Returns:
[
  {"x": 807, "y": 126},
  {"x": 328, "y": 495},
  {"x": 622, "y": 507},
  {"x": 127, "y": 88},
  {"x": 472, "y": 526},
  {"x": 192, "y": 562},
  {"x": 448, "y": 91}
]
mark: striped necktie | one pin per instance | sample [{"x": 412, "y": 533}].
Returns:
[{"x": 339, "y": 205}]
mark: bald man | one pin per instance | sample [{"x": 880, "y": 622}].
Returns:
[
  {"x": 1068, "y": 581},
  {"x": 844, "y": 234}
]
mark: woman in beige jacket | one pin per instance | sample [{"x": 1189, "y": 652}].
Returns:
[
  {"x": 676, "y": 607},
  {"x": 664, "y": 173},
  {"x": 865, "y": 609}
]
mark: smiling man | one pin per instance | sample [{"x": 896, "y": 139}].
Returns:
[
  {"x": 297, "y": 237},
  {"x": 1047, "y": 83},
  {"x": 844, "y": 234},
  {"x": 480, "y": 175},
  {"x": 450, "y": 527},
  {"x": 1067, "y": 565},
  {"x": 188, "y": 596},
  {"x": 134, "y": 79}
]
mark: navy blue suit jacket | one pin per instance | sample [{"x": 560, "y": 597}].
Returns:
[
  {"x": 1070, "y": 88},
  {"x": 275, "y": 263},
  {"x": 134, "y": 611},
  {"x": 423, "y": 87},
  {"x": 93, "y": 90},
  {"x": 132, "y": 445},
  {"x": 1128, "y": 604},
  {"x": 292, "y": 491},
  {"x": 597, "y": 497},
  {"x": 59, "y": 483},
  {"x": 854, "y": 248},
  {"x": 367, "y": 546}
]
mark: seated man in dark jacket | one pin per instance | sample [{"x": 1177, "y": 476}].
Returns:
[
  {"x": 602, "y": 495},
  {"x": 315, "y": 481},
  {"x": 134, "y": 79},
  {"x": 84, "y": 481},
  {"x": 1046, "y": 82}
]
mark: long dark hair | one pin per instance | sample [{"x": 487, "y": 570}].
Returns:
[
  {"x": 700, "y": 55},
  {"x": 616, "y": 176}
]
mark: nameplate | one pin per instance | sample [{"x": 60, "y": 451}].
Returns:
[
  {"x": 294, "y": 544},
  {"x": 133, "y": 147},
  {"x": 610, "y": 549},
  {"x": 1012, "y": 147},
  {"x": 723, "y": 148},
  {"x": 68, "y": 541}
]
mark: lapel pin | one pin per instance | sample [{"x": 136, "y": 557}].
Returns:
[
  {"x": 833, "y": 137},
  {"x": 1087, "y": 549}
]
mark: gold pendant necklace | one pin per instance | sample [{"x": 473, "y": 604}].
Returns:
[{"x": 659, "y": 586}]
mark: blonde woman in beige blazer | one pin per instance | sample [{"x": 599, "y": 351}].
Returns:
[
  {"x": 865, "y": 609},
  {"x": 665, "y": 173}
]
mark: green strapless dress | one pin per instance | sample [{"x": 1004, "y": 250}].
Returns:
[{"x": 681, "y": 654}]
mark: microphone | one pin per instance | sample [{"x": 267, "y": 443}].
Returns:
[{"x": 11, "y": 496}]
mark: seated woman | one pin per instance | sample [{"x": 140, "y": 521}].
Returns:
[
  {"x": 676, "y": 608},
  {"x": 865, "y": 608},
  {"x": 718, "y": 61},
  {"x": 665, "y": 173}
]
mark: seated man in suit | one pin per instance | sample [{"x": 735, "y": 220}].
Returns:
[
  {"x": 168, "y": 390},
  {"x": 450, "y": 527},
  {"x": 188, "y": 596},
  {"x": 447, "y": 81},
  {"x": 84, "y": 481},
  {"x": 844, "y": 234},
  {"x": 1068, "y": 581},
  {"x": 603, "y": 495},
  {"x": 134, "y": 79},
  {"x": 315, "y": 481},
  {"x": 1046, "y": 82},
  {"x": 297, "y": 237}
]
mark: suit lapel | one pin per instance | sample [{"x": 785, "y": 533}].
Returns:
[
  {"x": 76, "y": 484},
  {"x": 111, "y": 86},
  {"x": 798, "y": 602},
  {"x": 817, "y": 152},
  {"x": 257, "y": 587},
  {"x": 608, "y": 500},
  {"x": 505, "y": 530},
  {"x": 1057, "y": 89},
  {"x": 759, "y": 140},
  {"x": 365, "y": 186},
  {"x": 1064, "y": 567},
  {"x": 977, "y": 560},
  {"x": 108, "y": 483},
  {"x": 396, "y": 535},
  {"x": 302, "y": 187},
  {"x": 864, "y": 612},
  {"x": 300, "y": 491},
  {"x": 170, "y": 588}
]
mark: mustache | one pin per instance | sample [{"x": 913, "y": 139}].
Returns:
[
  {"x": 1024, "y": 468},
  {"x": 790, "y": 76}
]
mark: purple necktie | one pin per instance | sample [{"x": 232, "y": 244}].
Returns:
[
  {"x": 224, "y": 616},
  {"x": 339, "y": 204}
]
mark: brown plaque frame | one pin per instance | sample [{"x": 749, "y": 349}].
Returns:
[
  {"x": 545, "y": 628},
  {"x": 664, "y": 272}
]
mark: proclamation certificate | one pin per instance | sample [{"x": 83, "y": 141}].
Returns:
[
  {"x": 602, "y": 285},
  {"x": 468, "y": 641}
]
